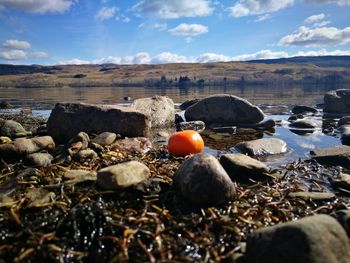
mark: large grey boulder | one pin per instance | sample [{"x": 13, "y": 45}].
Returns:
[
  {"x": 314, "y": 239},
  {"x": 224, "y": 110},
  {"x": 339, "y": 155},
  {"x": 68, "y": 119},
  {"x": 203, "y": 181},
  {"x": 161, "y": 109},
  {"x": 263, "y": 147},
  {"x": 337, "y": 101}
]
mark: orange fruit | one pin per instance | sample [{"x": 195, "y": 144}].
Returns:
[{"x": 184, "y": 143}]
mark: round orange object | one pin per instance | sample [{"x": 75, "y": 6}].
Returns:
[{"x": 184, "y": 143}]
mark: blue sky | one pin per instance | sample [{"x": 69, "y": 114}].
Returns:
[{"x": 53, "y": 32}]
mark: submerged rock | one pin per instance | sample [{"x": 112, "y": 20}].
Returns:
[
  {"x": 161, "y": 110},
  {"x": 337, "y": 101},
  {"x": 314, "y": 239},
  {"x": 224, "y": 110},
  {"x": 339, "y": 155},
  {"x": 203, "y": 181},
  {"x": 302, "y": 109},
  {"x": 68, "y": 119},
  {"x": 263, "y": 147},
  {"x": 105, "y": 138},
  {"x": 123, "y": 175}
]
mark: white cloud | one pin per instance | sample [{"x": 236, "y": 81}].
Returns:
[
  {"x": 168, "y": 57},
  {"x": 189, "y": 30},
  {"x": 160, "y": 26},
  {"x": 338, "y": 2},
  {"x": 16, "y": 44},
  {"x": 315, "y": 18},
  {"x": 262, "y": 54},
  {"x": 13, "y": 55},
  {"x": 123, "y": 18},
  {"x": 106, "y": 13},
  {"x": 74, "y": 61},
  {"x": 257, "y": 7},
  {"x": 317, "y": 37},
  {"x": 141, "y": 58},
  {"x": 170, "y": 9},
  {"x": 38, "y": 6},
  {"x": 109, "y": 59},
  {"x": 212, "y": 57}
]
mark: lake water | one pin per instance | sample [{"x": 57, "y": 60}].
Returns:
[{"x": 275, "y": 101}]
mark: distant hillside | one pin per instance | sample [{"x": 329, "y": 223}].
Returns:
[
  {"x": 25, "y": 69},
  {"x": 322, "y": 61}
]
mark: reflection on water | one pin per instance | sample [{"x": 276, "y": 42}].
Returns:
[{"x": 41, "y": 98}]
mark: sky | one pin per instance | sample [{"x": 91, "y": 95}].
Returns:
[{"x": 53, "y": 32}]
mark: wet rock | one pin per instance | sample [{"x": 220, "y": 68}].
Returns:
[
  {"x": 14, "y": 150},
  {"x": 121, "y": 176},
  {"x": 39, "y": 159},
  {"x": 266, "y": 125},
  {"x": 203, "y": 181},
  {"x": 344, "y": 121},
  {"x": 78, "y": 143},
  {"x": 105, "y": 138},
  {"x": 139, "y": 144},
  {"x": 73, "y": 177},
  {"x": 85, "y": 155},
  {"x": 315, "y": 196},
  {"x": 161, "y": 109},
  {"x": 262, "y": 147},
  {"x": 188, "y": 103},
  {"x": 343, "y": 182},
  {"x": 68, "y": 119},
  {"x": 302, "y": 109},
  {"x": 228, "y": 129},
  {"x": 337, "y": 101},
  {"x": 12, "y": 129},
  {"x": 314, "y": 239},
  {"x": 343, "y": 217},
  {"x": 345, "y": 134},
  {"x": 225, "y": 110},
  {"x": 242, "y": 168},
  {"x": 339, "y": 155},
  {"x": 304, "y": 124},
  {"x": 295, "y": 117},
  {"x": 198, "y": 126}
]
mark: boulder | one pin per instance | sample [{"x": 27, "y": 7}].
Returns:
[
  {"x": 262, "y": 147},
  {"x": 105, "y": 138},
  {"x": 123, "y": 175},
  {"x": 68, "y": 119},
  {"x": 203, "y": 181},
  {"x": 345, "y": 134},
  {"x": 188, "y": 103},
  {"x": 198, "y": 126},
  {"x": 161, "y": 110},
  {"x": 304, "y": 124},
  {"x": 314, "y": 239},
  {"x": 138, "y": 144},
  {"x": 339, "y": 155},
  {"x": 302, "y": 109},
  {"x": 241, "y": 168},
  {"x": 344, "y": 121},
  {"x": 12, "y": 151},
  {"x": 12, "y": 129},
  {"x": 224, "y": 110},
  {"x": 337, "y": 101},
  {"x": 39, "y": 159}
]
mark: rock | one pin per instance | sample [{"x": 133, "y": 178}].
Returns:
[
  {"x": 39, "y": 159},
  {"x": 188, "y": 103},
  {"x": 161, "y": 109},
  {"x": 4, "y": 139},
  {"x": 315, "y": 196},
  {"x": 262, "y": 147},
  {"x": 345, "y": 134},
  {"x": 73, "y": 177},
  {"x": 198, "y": 126},
  {"x": 86, "y": 154},
  {"x": 224, "y": 110},
  {"x": 266, "y": 125},
  {"x": 39, "y": 197},
  {"x": 12, "y": 129},
  {"x": 203, "y": 181},
  {"x": 78, "y": 143},
  {"x": 123, "y": 175},
  {"x": 337, "y": 101},
  {"x": 22, "y": 147},
  {"x": 228, "y": 129},
  {"x": 68, "y": 119},
  {"x": 343, "y": 182},
  {"x": 302, "y": 109},
  {"x": 295, "y": 117},
  {"x": 241, "y": 168},
  {"x": 178, "y": 118},
  {"x": 139, "y": 144},
  {"x": 304, "y": 124},
  {"x": 313, "y": 239},
  {"x": 105, "y": 138},
  {"x": 344, "y": 121},
  {"x": 343, "y": 217},
  {"x": 5, "y": 105},
  {"x": 161, "y": 137},
  {"x": 339, "y": 155}
]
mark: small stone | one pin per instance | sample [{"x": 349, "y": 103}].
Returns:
[
  {"x": 105, "y": 138},
  {"x": 73, "y": 177},
  {"x": 78, "y": 143},
  {"x": 203, "y": 181},
  {"x": 39, "y": 197},
  {"x": 263, "y": 147},
  {"x": 241, "y": 168},
  {"x": 138, "y": 144},
  {"x": 302, "y": 109},
  {"x": 85, "y": 155},
  {"x": 304, "y": 123},
  {"x": 315, "y": 196},
  {"x": 39, "y": 159},
  {"x": 198, "y": 126},
  {"x": 123, "y": 175},
  {"x": 266, "y": 125}
]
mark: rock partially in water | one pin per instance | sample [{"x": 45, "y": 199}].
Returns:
[
  {"x": 339, "y": 155},
  {"x": 123, "y": 175},
  {"x": 314, "y": 239},
  {"x": 161, "y": 110},
  {"x": 263, "y": 147},
  {"x": 198, "y": 126},
  {"x": 12, "y": 129},
  {"x": 304, "y": 123},
  {"x": 224, "y": 110},
  {"x": 188, "y": 103},
  {"x": 105, "y": 138},
  {"x": 203, "y": 181},
  {"x": 68, "y": 119},
  {"x": 21, "y": 147},
  {"x": 315, "y": 196},
  {"x": 337, "y": 101},
  {"x": 138, "y": 144},
  {"x": 242, "y": 168},
  {"x": 39, "y": 159},
  {"x": 344, "y": 121},
  {"x": 345, "y": 134},
  {"x": 303, "y": 109}
]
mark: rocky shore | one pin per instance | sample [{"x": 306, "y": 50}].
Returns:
[{"x": 96, "y": 183}]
